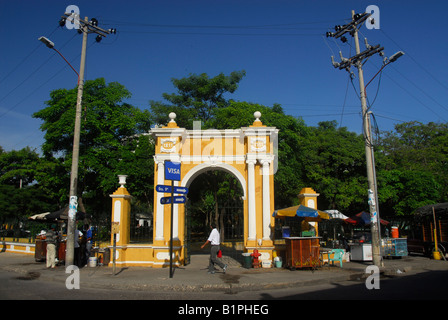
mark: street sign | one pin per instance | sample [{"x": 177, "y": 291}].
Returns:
[
  {"x": 162, "y": 188},
  {"x": 167, "y": 189},
  {"x": 177, "y": 199},
  {"x": 172, "y": 170},
  {"x": 182, "y": 190}
]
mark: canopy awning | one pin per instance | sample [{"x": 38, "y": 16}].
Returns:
[
  {"x": 308, "y": 214},
  {"x": 335, "y": 214},
  {"x": 363, "y": 219},
  {"x": 438, "y": 208},
  {"x": 61, "y": 214}
]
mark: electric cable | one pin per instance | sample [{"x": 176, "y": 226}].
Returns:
[
  {"x": 41, "y": 85},
  {"x": 26, "y": 58},
  {"x": 414, "y": 60},
  {"x": 33, "y": 72}
]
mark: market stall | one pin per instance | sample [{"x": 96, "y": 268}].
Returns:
[
  {"x": 302, "y": 251},
  {"x": 60, "y": 217},
  {"x": 361, "y": 245}
]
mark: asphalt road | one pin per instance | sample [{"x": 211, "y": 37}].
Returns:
[{"x": 431, "y": 285}]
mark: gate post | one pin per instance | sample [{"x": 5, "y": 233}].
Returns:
[{"x": 121, "y": 211}]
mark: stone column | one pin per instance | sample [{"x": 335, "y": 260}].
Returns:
[
  {"x": 266, "y": 201},
  {"x": 251, "y": 198},
  {"x": 159, "y": 213}
]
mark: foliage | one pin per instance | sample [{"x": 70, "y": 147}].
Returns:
[
  {"x": 108, "y": 126},
  {"x": 197, "y": 98},
  {"x": 18, "y": 167},
  {"x": 334, "y": 159},
  {"x": 412, "y": 167}
]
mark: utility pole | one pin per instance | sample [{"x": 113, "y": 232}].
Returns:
[
  {"x": 85, "y": 27},
  {"x": 357, "y": 61}
]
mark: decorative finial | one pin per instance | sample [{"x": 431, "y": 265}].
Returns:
[
  {"x": 122, "y": 180},
  {"x": 257, "y": 122},
  {"x": 172, "y": 123}
]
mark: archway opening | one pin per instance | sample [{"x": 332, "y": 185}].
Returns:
[{"x": 215, "y": 195}]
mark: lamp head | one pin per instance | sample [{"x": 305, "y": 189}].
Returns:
[
  {"x": 395, "y": 56},
  {"x": 47, "y": 42}
]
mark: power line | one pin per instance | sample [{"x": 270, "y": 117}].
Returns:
[
  {"x": 220, "y": 34},
  {"x": 32, "y": 73},
  {"x": 24, "y": 59},
  {"x": 41, "y": 84},
  {"x": 184, "y": 26},
  {"x": 415, "y": 61}
]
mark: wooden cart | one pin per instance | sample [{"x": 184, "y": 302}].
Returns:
[{"x": 302, "y": 252}]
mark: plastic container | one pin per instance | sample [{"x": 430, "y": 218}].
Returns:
[
  {"x": 266, "y": 264},
  {"x": 92, "y": 262},
  {"x": 278, "y": 262},
  {"x": 394, "y": 232}
]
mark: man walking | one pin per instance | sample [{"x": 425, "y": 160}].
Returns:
[
  {"x": 214, "y": 241},
  {"x": 51, "y": 239}
]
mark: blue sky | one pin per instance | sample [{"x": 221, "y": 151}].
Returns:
[{"x": 280, "y": 44}]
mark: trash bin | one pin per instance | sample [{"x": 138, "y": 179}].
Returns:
[
  {"x": 247, "y": 260},
  {"x": 106, "y": 257}
]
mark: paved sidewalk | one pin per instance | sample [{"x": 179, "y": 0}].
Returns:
[{"x": 194, "y": 277}]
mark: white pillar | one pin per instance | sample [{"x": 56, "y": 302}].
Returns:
[
  {"x": 175, "y": 217},
  {"x": 251, "y": 204},
  {"x": 159, "y": 214},
  {"x": 266, "y": 201}
]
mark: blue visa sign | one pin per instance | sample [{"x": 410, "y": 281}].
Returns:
[{"x": 172, "y": 170}]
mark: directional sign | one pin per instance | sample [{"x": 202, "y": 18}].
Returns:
[
  {"x": 177, "y": 199},
  {"x": 182, "y": 190},
  {"x": 167, "y": 189},
  {"x": 162, "y": 188}
]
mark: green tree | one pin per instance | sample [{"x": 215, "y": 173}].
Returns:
[
  {"x": 403, "y": 191},
  {"x": 108, "y": 123},
  {"x": 412, "y": 167},
  {"x": 197, "y": 98},
  {"x": 334, "y": 162},
  {"x": 18, "y": 167}
]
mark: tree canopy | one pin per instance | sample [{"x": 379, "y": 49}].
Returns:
[{"x": 109, "y": 142}]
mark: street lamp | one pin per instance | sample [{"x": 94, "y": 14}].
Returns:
[
  {"x": 386, "y": 62},
  {"x": 47, "y": 42},
  {"x": 395, "y": 56},
  {"x": 50, "y": 45}
]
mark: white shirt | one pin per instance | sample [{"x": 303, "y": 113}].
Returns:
[
  {"x": 77, "y": 235},
  {"x": 214, "y": 237}
]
